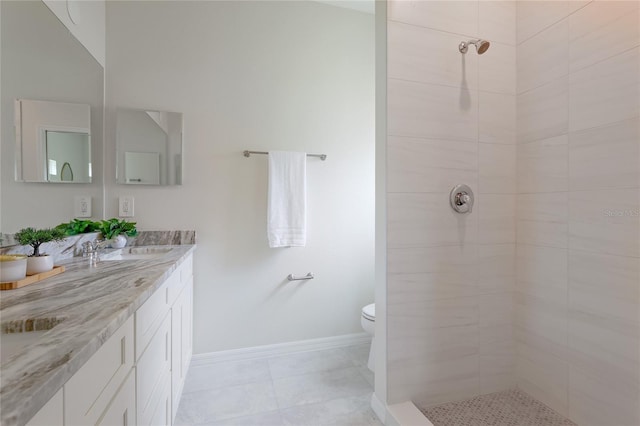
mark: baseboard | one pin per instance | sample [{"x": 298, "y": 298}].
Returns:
[{"x": 281, "y": 349}]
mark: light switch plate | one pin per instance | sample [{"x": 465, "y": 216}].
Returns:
[
  {"x": 125, "y": 207},
  {"x": 82, "y": 206}
]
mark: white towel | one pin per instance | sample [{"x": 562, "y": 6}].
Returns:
[{"x": 287, "y": 204}]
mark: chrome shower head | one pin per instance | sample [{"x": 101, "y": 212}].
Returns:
[{"x": 481, "y": 46}]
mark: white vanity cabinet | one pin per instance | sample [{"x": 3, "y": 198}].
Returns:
[{"x": 137, "y": 375}]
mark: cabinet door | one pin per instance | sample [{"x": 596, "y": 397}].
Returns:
[
  {"x": 122, "y": 410},
  {"x": 89, "y": 391},
  {"x": 180, "y": 340},
  {"x": 152, "y": 371}
]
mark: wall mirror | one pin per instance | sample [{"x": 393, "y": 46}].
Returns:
[
  {"x": 53, "y": 142},
  {"x": 47, "y": 70},
  {"x": 149, "y": 147}
]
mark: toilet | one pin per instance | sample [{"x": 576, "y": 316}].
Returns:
[{"x": 368, "y": 321}]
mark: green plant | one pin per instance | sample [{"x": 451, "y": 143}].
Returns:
[
  {"x": 113, "y": 227},
  {"x": 35, "y": 237},
  {"x": 78, "y": 226}
]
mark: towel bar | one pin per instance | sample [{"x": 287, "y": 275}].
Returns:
[
  {"x": 309, "y": 276},
  {"x": 248, "y": 154}
]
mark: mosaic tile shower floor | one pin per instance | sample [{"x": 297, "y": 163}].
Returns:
[{"x": 508, "y": 408}]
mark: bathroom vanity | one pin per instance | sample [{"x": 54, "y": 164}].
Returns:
[{"x": 100, "y": 344}]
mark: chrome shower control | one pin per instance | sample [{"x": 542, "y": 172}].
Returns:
[{"x": 461, "y": 199}]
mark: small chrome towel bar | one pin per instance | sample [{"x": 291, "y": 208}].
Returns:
[
  {"x": 309, "y": 276},
  {"x": 248, "y": 154}
]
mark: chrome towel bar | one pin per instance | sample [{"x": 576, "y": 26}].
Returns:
[
  {"x": 247, "y": 153},
  {"x": 309, "y": 276}
]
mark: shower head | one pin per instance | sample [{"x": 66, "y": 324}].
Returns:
[{"x": 481, "y": 46}]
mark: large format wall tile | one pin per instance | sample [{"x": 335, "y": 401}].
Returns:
[
  {"x": 496, "y": 270},
  {"x": 497, "y": 169},
  {"x": 543, "y": 112},
  {"x": 542, "y": 273},
  {"x": 497, "y": 118},
  {"x": 459, "y": 17},
  {"x": 498, "y": 21},
  {"x": 543, "y": 219},
  {"x": 543, "y": 166},
  {"x": 606, "y": 92},
  {"x": 602, "y": 30},
  {"x": 605, "y": 157},
  {"x": 496, "y": 218},
  {"x": 407, "y": 57},
  {"x": 431, "y": 111},
  {"x": 427, "y": 220},
  {"x": 430, "y": 165},
  {"x": 605, "y": 221},
  {"x": 497, "y": 71},
  {"x": 544, "y": 57},
  {"x": 534, "y": 16}
]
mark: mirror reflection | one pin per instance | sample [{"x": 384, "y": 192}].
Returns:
[
  {"x": 149, "y": 147},
  {"x": 53, "y": 140}
]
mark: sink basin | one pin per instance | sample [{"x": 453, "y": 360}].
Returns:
[{"x": 136, "y": 253}]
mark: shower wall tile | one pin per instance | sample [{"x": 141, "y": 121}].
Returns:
[
  {"x": 605, "y": 157},
  {"x": 602, "y": 30},
  {"x": 606, "y": 92},
  {"x": 544, "y": 57},
  {"x": 496, "y": 268},
  {"x": 430, "y": 165},
  {"x": 543, "y": 219},
  {"x": 497, "y": 118},
  {"x": 497, "y": 169},
  {"x": 543, "y": 166},
  {"x": 497, "y": 21},
  {"x": 406, "y": 59},
  {"x": 496, "y": 218},
  {"x": 460, "y": 17},
  {"x": 427, "y": 220},
  {"x": 542, "y": 273},
  {"x": 496, "y": 69},
  {"x": 543, "y": 376},
  {"x": 431, "y": 111},
  {"x": 605, "y": 221},
  {"x": 596, "y": 402},
  {"x": 436, "y": 260},
  {"x": 497, "y": 366},
  {"x": 543, "y": 112},
  {"x": 535, "y": 16}
]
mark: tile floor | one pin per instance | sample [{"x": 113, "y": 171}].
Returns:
[
  {"x": 327, "y": 387},
  {"x": 508, "y": 408}
]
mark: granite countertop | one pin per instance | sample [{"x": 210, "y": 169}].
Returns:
[{"x": 85, "y": 305}]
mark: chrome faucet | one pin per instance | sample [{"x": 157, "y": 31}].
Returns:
[{"x": 91, "y": 249}]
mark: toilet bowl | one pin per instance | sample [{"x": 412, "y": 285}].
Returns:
[{"x": 368, "y": 321}]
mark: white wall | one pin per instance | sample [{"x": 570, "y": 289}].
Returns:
[
  {"x": 263, "y": 76},
  {"x": 578, "y": 288},
  {"x": 450, "y": 277},
  {"x": 41, "y": 60},
  {"x": 88, "y": 25}
]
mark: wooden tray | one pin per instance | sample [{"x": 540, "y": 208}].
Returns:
[{"x": 12, "y": 285}]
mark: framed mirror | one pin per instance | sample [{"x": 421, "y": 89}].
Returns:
[
  {"x": 53, "y": 142},
  {"x": 149, "y": 147}
]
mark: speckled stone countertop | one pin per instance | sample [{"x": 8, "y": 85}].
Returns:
[{"x": 85, "y": 305}]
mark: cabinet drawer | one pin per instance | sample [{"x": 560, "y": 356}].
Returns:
[
  {"x": 122, "y": 410},
  {"x": 88, "y": 392},
  {"x": 152, "y": 370},
  {"x": 149, "y": 316}
]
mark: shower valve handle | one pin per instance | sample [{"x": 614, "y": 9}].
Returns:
[{"x": 462, "y": 199}]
